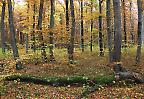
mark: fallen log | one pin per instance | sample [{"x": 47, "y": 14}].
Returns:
[
  {"x": 61, "y": 81},
  {"x": 136, "y": 77},
  {"x": 78, "y": 80}
]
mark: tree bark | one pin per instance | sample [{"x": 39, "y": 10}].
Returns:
[
  {"x": 124, "y": 23},
  {"x": 12, "y": 30},
  {"x": 51, "y": 36},
  {"x": 39, "y": 27},
  {"x": 26, "y": 42},
  {"x": 13, "y": 36},
  {"x": 109, "y": 30},
  {"x": 131, "y": 24},
  {"x": 82, "y": 28},
  {"x": 67, "y": 15},
  {"x": 100, "y": 29},
  {"x": 33, "y": 32},
  {"x": 117, "y": 36},
  {"x": 139, "y": 38},
  {"x": 91, "y": 35},
  {"x": 72, "y": 35},
  {"x": 3, "y": 43}
]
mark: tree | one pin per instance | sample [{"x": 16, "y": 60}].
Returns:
[
  {"x": 100, "y": 29},
  {"x": 39, "y": 27},
  {"x": 82, "y": 27},
  {"x": 67, "y": 15},
  {"x": 109, "y": 31},
  {"x": 27, "y": 37},
  {"x": 3, "y": 43},
  {"x": 139, "y": 40},
  {"x": 117, "y": 36},
  {"x": 51, "y": 31},
  {"x": 124, "y": 23},
  {"x": 131, "y": 23},
  {"x": 72, "y": 35},
  {"x": 13, "y": 36},
  {"x": 91, "y": 37},
  {"x": 12, "y": 30},
  {"x": 33, "y": 32}
]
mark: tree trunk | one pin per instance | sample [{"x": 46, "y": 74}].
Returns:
[
  {"x": 82, "y": 27},
  {"x": 26, "y": 42},
  {"x": 51, "y": 36},
  {"x": 67, "y": 15},
  {"x": 100, "y": 29},
  {"x": 117, "y": 36},
  {"x": 131, "y": 24},
  {"x": 12, "y": 30},
  {"x": 27, "y": 36},
  {"x": 91, "y": 35},
  {"x": 13, "y": 36},
  {"x": 124, "y": 23},
  {"x": 39, "y": 27},
  {"x": 21, "y": 37},
  {"x": 71, "y": 41},
  {"x": 61, "y": 30},
  {"x": 33, "y": 32},
  {"x": 3, "y": 43},
  {"x": 109, "y": 30},
  {"x": 139, "y": 40}
]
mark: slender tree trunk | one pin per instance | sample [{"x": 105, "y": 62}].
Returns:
[
  {"x": 72, "y": 36},
  {"x": 51, "y": 36},
  {"x": 12, "y": 30},
  {"x": 21, "y": 37},
  {"x": 39, "y": 27},
  {"x": 131, "y": 24},
  {"x": 26, "y": 42},
  {"x": 82, "y": 27},
  {"x": 91, "y": 37},
  {"x": 67, "y": 15},
  {"x": 61, "y": 23},
  {"x": 117, "y": 36},
  {"x": 27, "y": 37},
  {"x": 13, "y": 36},
  {"x": 124, "y": 23},
  {"x": 100, "y": 29},
  {"x": 109, "y": 30},
  {"x": 139, "y": 39},
  {"x": 3, "y": 44},
  {"x": 33, "y": 32}
]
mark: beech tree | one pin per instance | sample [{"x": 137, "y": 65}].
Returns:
[
  {"x": 13, "y": 36},
  {"x": 100, "y": 29},
  {"x": 67, "y": 15},
  {"x": 12, "y": 30},
  {"x": 39, "y": 27},
  {"x": 139, "y": 38},
  {"x": 3, "y": 42},
  {"x": 131, "y": 23},
  {"x": 124, "y": 23},
  {"x": 117, "y": 36},
  {"x": 82, "y": 27},
  {"x": 51, "y": 36},
  {"x": 72, "y": 35},
  {"x": 109, "y": 30},
  {"x": 91, "y": 37}
]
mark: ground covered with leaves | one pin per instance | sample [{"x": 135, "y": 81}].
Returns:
[{"x": 87, "y": 64}]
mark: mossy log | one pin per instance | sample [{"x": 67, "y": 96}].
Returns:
[
  {"x": 61, "y": 81},
  {"x": 136, "y": 77},
  {"x": 77, "y": 80}
]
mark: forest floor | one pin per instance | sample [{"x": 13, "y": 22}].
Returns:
[{"x": 87, "y": 64}]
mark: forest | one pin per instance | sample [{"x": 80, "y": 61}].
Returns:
[{"x": 71, "y": 49}]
